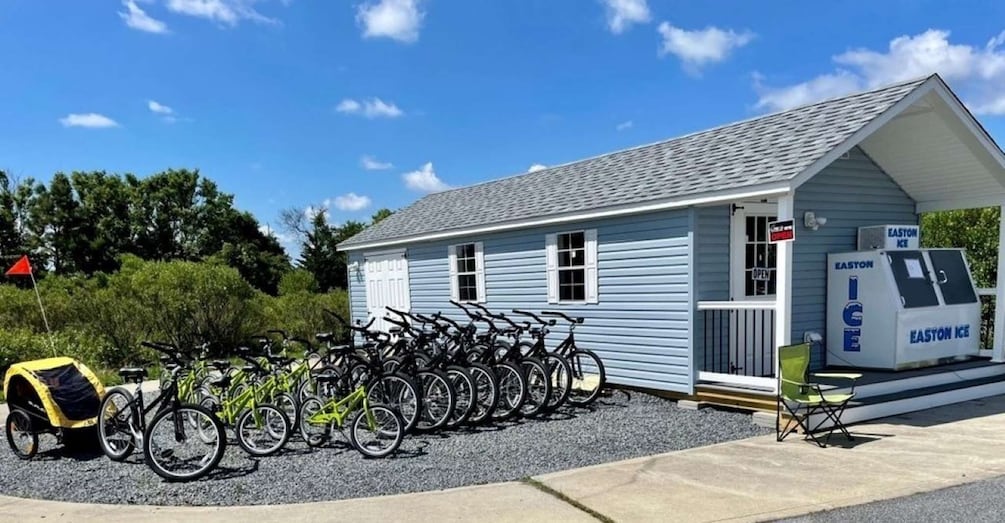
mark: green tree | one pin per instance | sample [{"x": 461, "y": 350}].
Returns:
[
  {"x": 975, "y": 230},
  {"x": 11, "y": 237},
  {"x": 380, "y": 215}
]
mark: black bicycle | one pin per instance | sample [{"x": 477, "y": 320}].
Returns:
[
  {"x": 588, "y": 375},
  {"x": 182, "y": 442}
]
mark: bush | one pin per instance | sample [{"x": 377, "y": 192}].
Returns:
[
  {"x": 302, "y": 314},
  {"x": 23, "y": 344}
]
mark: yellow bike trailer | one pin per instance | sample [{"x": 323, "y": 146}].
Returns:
[{"x": 51, "y": 395}]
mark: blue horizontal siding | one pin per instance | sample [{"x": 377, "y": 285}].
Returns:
[
  {"x": 711, "y": 268},
  {"x": 850, "y": 193},
  {"x": 640, "y": 327}
]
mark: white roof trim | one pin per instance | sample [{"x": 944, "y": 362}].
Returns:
[
  {"x": 865, "y": 131},
  {"x": 756, "y": 191}
]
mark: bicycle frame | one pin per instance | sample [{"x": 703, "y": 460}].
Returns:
[{"x": 337, "y": 411}]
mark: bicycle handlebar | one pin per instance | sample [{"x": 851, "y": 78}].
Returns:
[
  {"x": 166, "y": 348},
  {"x": 562, "y": 315},
  {"x": 537, "y": 318}
]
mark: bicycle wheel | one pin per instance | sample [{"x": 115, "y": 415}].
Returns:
[
  {"x": 561, "y": 380},
  {"x": 464, "y": 388},
  {"x": 538, "y": 386},
  {"x": 117, "y": 418},
  {"x": 313, "y": 427},
  {"x": 379, "y": 434},
  {"x": 512, "y": 390},
  {"x": 20, "y": 436},
  {"x": 438, "y": 399},
  {"x": 262, "y": 430},
  {"x": 487, "y": 392},
  {"x": 399, "y": 392},
  {"x": 288, "y": 404},
  {"x": 588, "y": 377},
  {"x": 176, "y": 451}
]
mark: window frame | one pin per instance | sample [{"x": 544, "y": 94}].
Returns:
[
  {"x": 455, "y": 274},
  {"x": 589, "y": 267}
]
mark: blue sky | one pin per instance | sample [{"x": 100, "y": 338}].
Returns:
[{"x": 361, "y": 105}]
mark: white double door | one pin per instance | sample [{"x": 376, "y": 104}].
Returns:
[
  {"x": 752, "y": 282},
  {"x": 386, "y": 277}
]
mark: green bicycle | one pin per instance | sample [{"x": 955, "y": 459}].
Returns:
[
  {"x": 262, "y": 429},
  {"x": 375, "y": 430}
]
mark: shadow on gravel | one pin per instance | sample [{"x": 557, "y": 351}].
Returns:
[
  {"x": 223, "y": 472},
  {"x": 411, "y": 453},
  {"x": 63, "y": 452}
]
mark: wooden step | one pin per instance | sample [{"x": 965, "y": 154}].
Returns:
[{"x": 744, "y": 398}]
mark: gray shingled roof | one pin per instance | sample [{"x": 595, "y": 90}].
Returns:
[{"x": 772, "y": 148}]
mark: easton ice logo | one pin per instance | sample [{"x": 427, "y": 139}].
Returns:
[
  {"x": 852, "y": 265},
  {"x": 902, "y": 234},
  {"x": 852, "y": 317}
]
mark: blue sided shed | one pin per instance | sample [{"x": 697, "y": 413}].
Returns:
[{"x": 664, "y": 248}]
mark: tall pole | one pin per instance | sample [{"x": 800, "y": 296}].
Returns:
[{"x": 52, "y": 343}]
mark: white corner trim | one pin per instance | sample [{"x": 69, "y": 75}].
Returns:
[
  {"x": 708, "y": 198},
  {"x": 866, "y": 130}
]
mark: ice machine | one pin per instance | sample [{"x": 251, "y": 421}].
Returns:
[{"x": 897, "y": 309}]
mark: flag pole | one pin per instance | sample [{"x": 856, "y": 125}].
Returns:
[{"x": 52, "y": 344}]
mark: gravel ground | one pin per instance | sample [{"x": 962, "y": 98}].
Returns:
[{"x": 617, "y": 427}]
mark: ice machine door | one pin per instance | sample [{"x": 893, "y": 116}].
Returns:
[
  {"x": 952, "y": 276},
  {"x": 911, "y": 274}
]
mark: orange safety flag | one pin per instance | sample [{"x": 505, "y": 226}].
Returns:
[{"x": 21, "y": 268}]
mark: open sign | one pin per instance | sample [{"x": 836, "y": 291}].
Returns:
[{"x": 760, "y": 274}]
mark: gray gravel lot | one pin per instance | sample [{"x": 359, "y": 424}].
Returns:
[{"x": 615, "y": 428}]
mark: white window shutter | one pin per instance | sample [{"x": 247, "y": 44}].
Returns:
[
  {"x": 592, "y": 283},
  {"x": 452, "y": 260},
  {"x": 480, "y": 270},
  {"x": 551, "y": 254}
]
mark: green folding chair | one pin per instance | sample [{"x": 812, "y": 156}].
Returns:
[{"x": 802, "y": 399}]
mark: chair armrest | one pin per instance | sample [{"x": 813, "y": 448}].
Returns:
[
  {"x": 839, "y": 375},
  {"x": 804, "y": 388}
]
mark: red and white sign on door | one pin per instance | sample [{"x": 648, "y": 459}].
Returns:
[{"x": 781, "y": 231}]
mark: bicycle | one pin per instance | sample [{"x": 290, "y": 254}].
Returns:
[
  {"x": 375, "y": 430},
  {"x": 182, "y": 442},
  {"x": 588, "y": 375}
]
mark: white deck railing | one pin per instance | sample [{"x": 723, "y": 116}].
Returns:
[{"x": 737, "y": 342}]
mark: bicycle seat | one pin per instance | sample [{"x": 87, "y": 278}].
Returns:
[
  {"x": 324, "y": 337},
  {"x": 220, "y": 365},
  {"x": 222, "y": 382},
  {"x": 132, "y": 373},
  {"x": 250, "y": 369},
  {"x": 340, "y": 349}
]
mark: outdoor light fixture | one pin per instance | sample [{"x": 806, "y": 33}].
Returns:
[{"x": 812, "y": 221}]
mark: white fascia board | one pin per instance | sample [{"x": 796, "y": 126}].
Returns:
[
  {"x": 865, "y": 131},
  {"x": 757, "y": 191},
  {"x": 952, "y": 204}
]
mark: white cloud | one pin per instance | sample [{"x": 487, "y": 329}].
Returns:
[
  {"x": 372, "y": 108},
  {"x": 283, "y": 238},
  {"x": 224, "y": 12},
  {"x": 700, "y": 47},
  {"x": 396, "y": 19},
  {"x": 138, "y": 19},
  {"x": 625, "y": 125},
  {"x": 352, "y": 202},
  {"x": 622, "y": 14},
  {"x": 977, "y": 73},
  {"x": 424, "y": 180},
  {"x": 89, "y": 120},
  {"x": 536, "y": 167},
  {"x": 372, "y": 164},
  {"x": 159, "y": 108}
]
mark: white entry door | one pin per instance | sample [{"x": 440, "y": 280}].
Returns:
[
  {"x": 752, "y": 280},
  {"x": 386, "y": 285}
]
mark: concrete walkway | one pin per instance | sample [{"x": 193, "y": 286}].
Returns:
[{"x": 750, "y": 480}]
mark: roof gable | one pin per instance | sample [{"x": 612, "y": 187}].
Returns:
[{"x": 752, "y": 153}]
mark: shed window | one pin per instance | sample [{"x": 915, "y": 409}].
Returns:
[
  {"x": 572, "y": 267},
  {"x": 467, "y": 272}
]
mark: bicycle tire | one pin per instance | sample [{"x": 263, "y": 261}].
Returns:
[
  {"x": 21, "y": 437},
  {"x": 314, "y": 434},
  {"x": 290, "y": 406},
  {"x": 274, "y": 422},
  {"x": 588, "y": 377},
  {"x": 560, "y": 372},
  {"x": 487, "y": 388},
  {"x": 438, "y": 399},
  {"x": 121, "y": 416},
  {"x": 175, "y": 418},
  {"x": 538, "y": 386},
  {"x": 397, "y": 391},
  {"x": 391, "y": 428},
  {"x": 464, "y": 388},
  {"x": 512, "y": 390}
]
